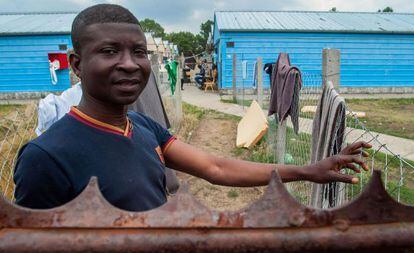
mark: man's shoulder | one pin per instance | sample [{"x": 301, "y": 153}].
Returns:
[{"x": 57, "y": 133}]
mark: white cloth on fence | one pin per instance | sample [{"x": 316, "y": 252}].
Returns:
[
  {"x": 327, "y": 139},
  {"x": 53, "y": 107}
]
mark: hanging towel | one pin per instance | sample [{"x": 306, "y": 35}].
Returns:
[
  {"x": 327, "y": 139},
  {"x": 286, "y": 83},
  {"x": 150, "y": 103}
]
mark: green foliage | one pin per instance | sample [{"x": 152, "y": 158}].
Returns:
[
  {"x": 149, "y": 25},
  {"x": 386, "y": 9},
  {"x": 333, "y": 9},
  {"x": 187, "y": 42}
]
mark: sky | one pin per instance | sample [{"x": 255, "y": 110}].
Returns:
[{"x": 187, "y": 15}]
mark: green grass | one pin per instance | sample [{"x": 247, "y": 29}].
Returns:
[
  {"x": 6, "y": 109},
  {"x": 390, "y": 116},
  {"x": 195, "y": 111}
]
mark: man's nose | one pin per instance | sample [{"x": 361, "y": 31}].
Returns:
[{"x": 128, "y": 63}]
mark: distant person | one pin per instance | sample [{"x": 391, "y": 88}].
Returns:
[
  {"x": 200, "y": 76},
  {"x": 125, "y": 150}
]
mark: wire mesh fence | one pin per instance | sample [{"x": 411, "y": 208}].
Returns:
[
  {"x": 16, "y": 128},
  {"x": 398, "y": 173},
  {"x": 172, "y": 102}
]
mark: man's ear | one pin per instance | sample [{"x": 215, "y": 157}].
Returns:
[{"x": 74, "y": 60}]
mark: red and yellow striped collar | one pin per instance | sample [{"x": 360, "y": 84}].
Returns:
[{"x": 74, "y": 112}]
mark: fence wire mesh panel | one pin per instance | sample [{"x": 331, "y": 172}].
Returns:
[
  {"x": 17, "y": 125},
  {"x": 282, "y": 145},
  {"x": 172, "y": 102}
]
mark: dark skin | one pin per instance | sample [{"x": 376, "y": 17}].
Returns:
[{"x": 114, "y": 69}]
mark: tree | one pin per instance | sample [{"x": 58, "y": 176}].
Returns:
[
  {"x": 205, "y": 29},
  {"x": 149, "y": 25},
  {"x": 333, "y": 9},
  {"x": 386, "y": 9},
  {"x": 187, "y": 42}
]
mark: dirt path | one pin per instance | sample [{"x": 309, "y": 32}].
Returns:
[{"x": 217, "y": 135}]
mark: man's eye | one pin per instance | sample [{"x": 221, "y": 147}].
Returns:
[
  {"x": 140, "y": 52},
  {"x": 109, "y": 51}
]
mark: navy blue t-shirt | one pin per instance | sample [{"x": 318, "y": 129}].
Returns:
[{"x": 55, "y": 167}]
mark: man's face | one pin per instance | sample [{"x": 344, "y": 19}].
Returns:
[{"x": 113, "y": 63}]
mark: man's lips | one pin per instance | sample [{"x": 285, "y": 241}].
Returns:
[
  {"x": 127, "y": 82},
  {"x": 127, "y": 85}
]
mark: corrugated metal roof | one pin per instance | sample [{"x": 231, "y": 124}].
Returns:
[
  {"x": 306, "y": 21},
  {"x": 36, "y": 23}
]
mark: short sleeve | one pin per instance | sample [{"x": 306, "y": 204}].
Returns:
[{"x": 40, "y": 183}]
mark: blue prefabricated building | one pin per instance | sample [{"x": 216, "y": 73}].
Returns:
[
  {"x": 26, "y": 39},
  {"x": 377, "y": 49}
]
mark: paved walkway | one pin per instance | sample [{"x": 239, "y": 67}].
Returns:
[{"x": 210, "y": 100}]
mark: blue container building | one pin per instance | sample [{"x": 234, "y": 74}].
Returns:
[
  {"x": 26, "y": 39},
  {"x": 377, "y": 49}
]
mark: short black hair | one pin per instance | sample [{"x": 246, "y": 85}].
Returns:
[{"x": 99, "y": 14}]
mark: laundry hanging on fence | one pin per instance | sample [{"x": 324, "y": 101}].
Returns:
[
  {"x": 244, "y": 69},
  {"x": 254, "y": 75},
  {"x": 53, "y": 107},
  {"x": 328, "y": 130},
  {"x": 171, "y": 68},
  {"x": 286, "y": 83},
  {"x": 150, "y": 103},
  {"x": 268, "y": 68}
]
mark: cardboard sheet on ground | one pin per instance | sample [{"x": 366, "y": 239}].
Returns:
[{"x": 252, "y": 126}]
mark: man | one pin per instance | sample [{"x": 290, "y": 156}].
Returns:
[
  {"x": 200, "y": 76},
  {"x": 128, "y": 151}
]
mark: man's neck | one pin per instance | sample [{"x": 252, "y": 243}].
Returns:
[{"x": 114, "y": 115}]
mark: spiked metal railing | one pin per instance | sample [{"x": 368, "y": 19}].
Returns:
[{"x": 373, "y": 222}]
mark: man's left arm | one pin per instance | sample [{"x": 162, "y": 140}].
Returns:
[{"x": 232, "y": 172}]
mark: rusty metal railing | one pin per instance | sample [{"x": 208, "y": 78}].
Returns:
[{"x": 373, "y": 222}]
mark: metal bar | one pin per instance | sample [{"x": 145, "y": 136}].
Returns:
[{"x": 375, "y": 238}]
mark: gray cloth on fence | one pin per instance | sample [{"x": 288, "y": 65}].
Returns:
[
  {"x": 286, "y": 83},
  {"x": 327, "y": 136},
  {"x": 150, "y": 103}
]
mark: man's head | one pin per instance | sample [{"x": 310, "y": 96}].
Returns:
[
  {"x": 110, "y": 54},
  {"x": 99, "y": 14}
]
